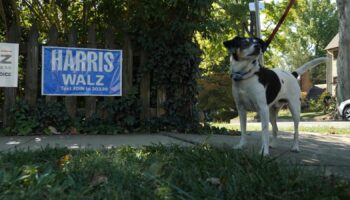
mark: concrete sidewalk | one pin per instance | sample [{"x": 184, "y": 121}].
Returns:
[
  {"x": 84, "y": 141},
  {"x": 331, "y": 152},
  {"x": 328, "y": 124}
]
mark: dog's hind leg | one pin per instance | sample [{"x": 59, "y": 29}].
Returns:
[
  {"x": 294, "y": 107},
  {"x": 243, "y": 125},
  {"x": 264, "y": 117},
  {"x": 273, "y": 120}
]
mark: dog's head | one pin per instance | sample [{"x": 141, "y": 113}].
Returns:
[{"x": 242, "y": 48}]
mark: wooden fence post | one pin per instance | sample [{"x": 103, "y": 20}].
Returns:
[
  {"x": 161, "y": 97},
  {"x": 31, "y": 70},
  {"x": 127, "y": 65},
  {"x": 329, "y": 73},
  {"x": 71, "y": 101},
  {"x": 109, "y": 44},
  {"x": 145, "y": 89},
  {"x": 52, "y": 41},
  {"x": 13, "y": 36},
  {"x": 90, "y": 101}
]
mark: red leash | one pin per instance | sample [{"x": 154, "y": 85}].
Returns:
[{"x": 291, "y": 2}]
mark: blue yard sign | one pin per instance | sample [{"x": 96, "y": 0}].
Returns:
[{"x": 81, "y": 72}]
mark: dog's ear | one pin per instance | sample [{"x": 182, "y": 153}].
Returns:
[
  {"x": 263, "y": 44},
  {"x": 234, "y": 43},
  {"x": 229, "y": 44}
]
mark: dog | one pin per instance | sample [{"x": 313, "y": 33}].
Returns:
[{"x": 265, "y": 91}]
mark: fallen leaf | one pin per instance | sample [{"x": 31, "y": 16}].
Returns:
[
  {"x": 53, "y": 130},
  {"x": 73, "y": 131},
  {"x": 214, "y": 181}
]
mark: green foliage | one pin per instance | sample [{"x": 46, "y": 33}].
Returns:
[
  {"x": 224, "y": 115},
  {"x": 183, "y": 40},
  {"x": 215, "y": 92},
  {"x": 227, "y": 19},
  {"x": 163, "y": 29},
  {"x": 34, "y": 120},
  {"x": 167, "y": 36},
  {"x": 309, "y": 27},
  {"x": 159, "y": 172},
  {"x": 210, "y": 130},
  {"x": 25, "y": 121},
  {"x": 320, "y": 105},
  {"x": 53, "y": 114},
  {"x": 121, "y": 116},
  {"x": 215, "y": 97},
  {"x": 315, "y": 106}
]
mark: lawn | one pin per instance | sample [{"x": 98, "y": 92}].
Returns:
[
  {"x": 284, "y": 114},
  {"x": 159, "y": 172},
  {"x": 257, "y": 127}
]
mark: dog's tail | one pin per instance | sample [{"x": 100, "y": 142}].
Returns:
[{"x": 309, "y": 65}]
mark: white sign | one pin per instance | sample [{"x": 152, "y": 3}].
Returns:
[
  {"x": 8, "y": 65},
  {"x": 252, "y": 6}
]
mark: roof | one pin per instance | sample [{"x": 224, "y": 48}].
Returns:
[
  {"x": 315, "y": 93},
  {"x": 334, "y": 43}
]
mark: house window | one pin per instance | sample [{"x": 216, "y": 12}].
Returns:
[{"x": 335, "y": 80}]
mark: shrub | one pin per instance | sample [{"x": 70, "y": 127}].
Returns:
[
  {"x": 325, "y": 103},
  {"x": 31, "y": 120},
  {"x": 215, "y": 96}
]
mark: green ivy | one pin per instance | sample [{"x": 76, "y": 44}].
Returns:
[
  {"x": 165, "y": 30},
  {"x": 35, "y": 120},
  {"x": 25, "y": 121}
]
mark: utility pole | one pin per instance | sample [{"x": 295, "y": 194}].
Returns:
[
  {"x": 258, "y": 27},
  {"x": 256, "y": 8},
  {"x": 257, "y": 19}
]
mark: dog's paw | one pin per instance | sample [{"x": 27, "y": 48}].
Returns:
[
  {"x": 241, "y": 144},
  {"x": 295, "y": 149},
  {"x": 264, "y": 151}
]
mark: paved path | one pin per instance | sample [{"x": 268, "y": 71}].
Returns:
[
  {"x": 84, "y": 141},
  {"x": 328, "y": 124},
  {"x": 331, "y": 152}
]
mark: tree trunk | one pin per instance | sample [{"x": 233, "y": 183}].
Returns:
[
  {"x": 3, "y": 15},
  {"x": 343, "y": 62}
]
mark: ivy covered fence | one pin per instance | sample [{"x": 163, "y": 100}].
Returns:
[{"x": 160, "y": 67}]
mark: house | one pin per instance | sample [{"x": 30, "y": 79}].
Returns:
[
  {"x": 307, "y": 86},
  {"x": 331, "y": 71}
]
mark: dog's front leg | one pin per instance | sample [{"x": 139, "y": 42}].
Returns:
[
  {"x": 243, "y": 125},
  {"x": 264, "y": 117}
]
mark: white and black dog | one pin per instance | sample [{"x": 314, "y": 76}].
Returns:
[{"x": 265, "y": 91}]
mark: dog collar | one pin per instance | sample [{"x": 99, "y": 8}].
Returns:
[{"x": 238, "y": 76}]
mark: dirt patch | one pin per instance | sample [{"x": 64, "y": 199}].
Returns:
[{"x": 326, "y": 117}]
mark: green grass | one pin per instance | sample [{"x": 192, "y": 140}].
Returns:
[
  {"x": 159, "y": 172},
  {"x": 285, "y": 114},
  {"x": 316, "y": 129},
  {"x": 306, "y": 116}
]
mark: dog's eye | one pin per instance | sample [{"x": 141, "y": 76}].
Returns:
[{"x": 245, "y": 43}]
